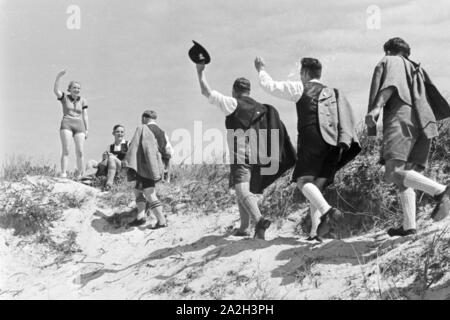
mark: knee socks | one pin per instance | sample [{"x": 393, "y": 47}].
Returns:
[{"x": 315, "y": 197}]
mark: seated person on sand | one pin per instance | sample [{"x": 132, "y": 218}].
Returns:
[{"x": 111, "y": 163}]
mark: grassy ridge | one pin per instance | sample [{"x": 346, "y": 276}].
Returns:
[
  {"x": 30, "y": 210},
  {"x": 359, "y": 190}
]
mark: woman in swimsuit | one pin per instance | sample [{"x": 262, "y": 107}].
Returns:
[{"x": 74, "y": 123}]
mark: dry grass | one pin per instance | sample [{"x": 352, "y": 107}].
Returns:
[
  {"x": 425, "y": 267},
  {"x": 434, "y": 262},
  {"x": 17, "y": 167},
  {"x": 29, "y": 212},
  {"x": 359, "y": 190},
  {"x": 32, "y": 211}
]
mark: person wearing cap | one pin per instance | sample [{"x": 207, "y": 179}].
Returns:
[
  {"x": 164, "y": 145},
  {"x": 326, "y": 137},
  {"x": 235, "y": 108},
  {"x": 148, "y": 147},
  {"x": 411, "y": 106}
]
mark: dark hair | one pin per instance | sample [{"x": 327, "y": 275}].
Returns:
[
  {"x": 118, "y": 126},
  {"x": 241, "y": 85},
  {"x": 150, "y": 114},
  {"x": 312, "y": 66},
  {"x": 396, "y": 46}
]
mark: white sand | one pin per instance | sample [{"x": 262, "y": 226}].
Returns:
[{"x": 192, "y": 259}]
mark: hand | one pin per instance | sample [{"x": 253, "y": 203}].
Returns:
[
  {"x": 259, "y": 64},
  {"x": 343, "y": 146},
  {"x": 86, "y": 135},
  {"x": 61, "y": 73},
  {"x": 341, "y": 152},
  {"x": 200, "y": 67},
  {"x": 370, "y": 120}
]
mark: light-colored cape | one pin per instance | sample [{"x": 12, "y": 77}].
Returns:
[
  {"x": 143, "y": 156},
  {"x": 414, "y": 87}
]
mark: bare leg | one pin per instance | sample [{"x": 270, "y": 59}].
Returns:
[
  {"x": 248, "y": 200},
  {"x": 320, "y": 183},
  {"x": 79, "y": 149},
  {"x": 66, "y": 136},
  {"x": 397, "y": 172},
  {"x": 167, "y": 167},
  {"x": 114, "y": 166},
  {"x": 245, "y": 218}
]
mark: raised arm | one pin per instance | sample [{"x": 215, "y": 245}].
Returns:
[
  {"x": 225, "y": 103},
  {"x": 56, "y": 90},
  {"x": 204, "y": 87},
  {"x": 287, "y": 90}
]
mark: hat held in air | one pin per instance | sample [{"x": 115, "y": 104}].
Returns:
[{"x": 198, "y": 54}]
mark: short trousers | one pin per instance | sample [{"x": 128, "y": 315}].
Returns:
[
  {"x": 239, "y": 173},
  {"x": 402, "y": 139},
  {"x": 73, "y": 124},
  {"x": 144, "y": 183},
  {"x": 102, "y": 169},
  {"x": 315, "y": 157}
]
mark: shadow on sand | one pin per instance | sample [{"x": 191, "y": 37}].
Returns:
[
  {"x": 356, "y": 252},
  {"x": 223, "y": 247},
  {"x": 115, "y": 224},
  {"x": 301, "y": 253}
]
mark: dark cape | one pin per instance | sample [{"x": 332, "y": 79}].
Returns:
[
  {"x": 286, "y": 157},
  {"x": 425, "y": 94}
]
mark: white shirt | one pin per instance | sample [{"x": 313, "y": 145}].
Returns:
[
  {"x": 118, "y": 147},
  {"x": 225, "y": 103},
  {"x": 287, "y": 90}
]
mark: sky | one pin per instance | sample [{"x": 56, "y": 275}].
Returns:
[{"x": 132, "y": 56}]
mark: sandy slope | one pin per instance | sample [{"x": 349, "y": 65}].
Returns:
[{"x": 195, "y": 259}]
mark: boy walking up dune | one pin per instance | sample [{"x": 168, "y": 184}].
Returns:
[{"x": 411, "y": 105}]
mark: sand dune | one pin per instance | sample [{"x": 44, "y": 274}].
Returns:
[{"x": 195, "y": 258}]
